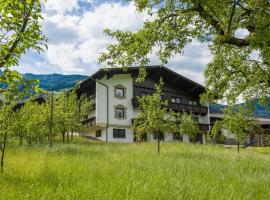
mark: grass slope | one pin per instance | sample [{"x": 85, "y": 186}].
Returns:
[{"x": 131, "y": 171}]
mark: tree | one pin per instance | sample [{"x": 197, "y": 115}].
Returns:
[
  {"x": 215, "y": 130},
  {"x": 188, "y": 126},
  {"x": 20, "y": 30},
  {"x": 34, "y": 126},
  {"x": 234, "y": 70},
  {"x": 239, "y": 122},
  {"x": 6, "y": 130},
  {"x": 69, "y": 109},
  {"x": 152, "y": 119}
]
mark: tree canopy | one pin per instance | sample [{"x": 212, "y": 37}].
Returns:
[
  {"x": 188, "y": 126},
  {"x": 240, "y": 64},
  {"x": 20, "y": 31}
]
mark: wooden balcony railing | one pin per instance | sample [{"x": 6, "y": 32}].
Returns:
[
  {"x": 204, "y": 127},
  {"x": 89, "y": 122},
  {"x": 203, "y": 110}
]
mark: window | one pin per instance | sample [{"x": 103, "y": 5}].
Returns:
[
  {"x": 143, "y": 94},
  {"x": 120, "y": 112},
  {"x": 98, "y": 133},
  {"x": 176, "y": 100},
  {"x": 161, "y": 97},
  {"x": 161, "y": 136},
  {"x": 120, "y": 91},
  {"x": 192, "y": 103},
  {"x": 119, "y": 133}
]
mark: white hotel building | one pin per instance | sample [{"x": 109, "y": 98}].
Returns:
[{"x": 115, "y": 91}]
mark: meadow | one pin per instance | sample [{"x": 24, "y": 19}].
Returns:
[{"x": 85, "y": 170}]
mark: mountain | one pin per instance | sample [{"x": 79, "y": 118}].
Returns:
[
  {"x": 259, "y": 112},
  {"x": 55, "y": 82}
]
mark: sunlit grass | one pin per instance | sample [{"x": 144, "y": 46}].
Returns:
[{"x": 129, "y": 171}]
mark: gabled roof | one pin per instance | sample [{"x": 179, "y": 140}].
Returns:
[{"x": 169, "y": 76}]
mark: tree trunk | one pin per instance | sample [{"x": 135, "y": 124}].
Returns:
[
  {"x": 63, "y": 137},
  {"x": 71, "y": 135},
  {"x": 51, "y": 123},
  {"x": 158, "y": 143},
  {"x": 20, "y": 138},
  {"x": 50, "y": 141},
  {"x": 238, "y": 146},
  {"x": 67, "y": 137},
  {"x": 30, "y": 140},
  {"x": 3, "y": 153}
]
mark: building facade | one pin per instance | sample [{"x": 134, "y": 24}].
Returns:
[{"x": 115, "y": 95}]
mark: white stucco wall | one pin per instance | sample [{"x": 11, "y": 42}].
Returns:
[
  {"x": 101, "y": 105},
  {"x": 101, "y": 99}
]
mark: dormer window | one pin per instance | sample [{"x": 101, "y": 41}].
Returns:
[
  {"x": 120, "y": 91},
  {"x": 120, "y": 112}
]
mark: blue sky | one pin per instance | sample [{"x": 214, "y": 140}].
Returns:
[{"x": 74, "y": 29}]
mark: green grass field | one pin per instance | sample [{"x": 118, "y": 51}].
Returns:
[{"x": 130, "y": 171}]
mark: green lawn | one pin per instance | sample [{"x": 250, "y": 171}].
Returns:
[{"x": 130, "y": 171}]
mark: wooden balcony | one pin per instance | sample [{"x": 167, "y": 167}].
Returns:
[
  {"x": 204, "y": 127},
  {"x": 203, "y": 110},
  {"x": 89, "y": 122}
]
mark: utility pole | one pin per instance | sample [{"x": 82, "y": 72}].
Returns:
[{"x": 51, "y": 122}]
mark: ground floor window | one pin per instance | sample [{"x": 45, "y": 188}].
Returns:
[
  {"x": 161, "y": 136},
  {"x": 119, "y": 133},
  {"x": 177, "y": 136},
  {"x": 98, "y": 133}
]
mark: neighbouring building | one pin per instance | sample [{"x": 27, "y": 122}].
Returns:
[
  {"x": 115, "y": 91},
  {"x": 229, "y": 138}
]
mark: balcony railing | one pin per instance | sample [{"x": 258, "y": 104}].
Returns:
[
  {"x": 204, "y": 127},
  {"x": 180, "y": 107},
  {"x": 89, "y": 122}
]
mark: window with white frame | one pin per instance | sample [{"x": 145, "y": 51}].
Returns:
[
  {"x": 120, "y": 91},
  {"x": 120, "y": 112}
]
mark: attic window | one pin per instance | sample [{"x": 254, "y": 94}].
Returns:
[{"x": 120, "y": 91}]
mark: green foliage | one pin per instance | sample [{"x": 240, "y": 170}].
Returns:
[
  {"x": 182, "y": 171},
  {"x": 240, "y": 65},
  {"x": 31, "y": 122},
  {"x": 6, "y": 130},
  {"x": 188, "y": 126},
  {"x": 215, "y": 131},
  {"x": 240, "y": 123},
  {"x": 69, "y": 111},
  {"x": 20, "y": 31}
]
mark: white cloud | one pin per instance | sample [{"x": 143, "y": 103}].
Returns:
[
  {"x": 76, "y": 38},
  {"x": 85, "y": 39},
  {"x": 241, "y": 33},
  {"x": 61, "y": 6}
]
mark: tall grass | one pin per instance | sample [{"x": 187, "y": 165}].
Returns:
[{"x": 131, "y": 171}]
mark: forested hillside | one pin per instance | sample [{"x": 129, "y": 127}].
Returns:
[{"x": 56, "y": 82}]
